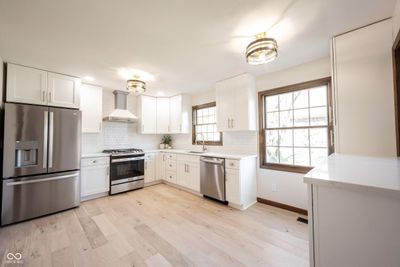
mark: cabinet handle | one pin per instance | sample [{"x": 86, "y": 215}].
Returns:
[
  {"x": 231, "y": 164},
  {"x": 145, "y": 165},
  {"x": 232, "y": 124},
  {"x": 187, "y": 166},
  {"x": 100, "y": 126},
  {"x": 44, "y": 96},
  {"x": 108, "y": 170},
  {"x": 94, "y": 161},
  {"x": 229, "y": 123},
  {"x": 49, "y": 97}
]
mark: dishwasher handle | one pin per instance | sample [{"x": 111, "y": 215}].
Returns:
[{"x": 213, "y": 161}]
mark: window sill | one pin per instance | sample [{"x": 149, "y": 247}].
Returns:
[{"x": 285, "y": 168}]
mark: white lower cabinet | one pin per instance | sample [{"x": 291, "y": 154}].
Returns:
[
  {"x": 95, "y": 177},
  {"x": 232, "y": 186},
  {"x": 188, "y": 172},
  {"x": 241, "y": 182},
  {"x": 150, "y": 168}
]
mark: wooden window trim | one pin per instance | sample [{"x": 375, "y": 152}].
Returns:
[
  {"x": 261, "y": 112},
  {"x": 208, "y": 143}
]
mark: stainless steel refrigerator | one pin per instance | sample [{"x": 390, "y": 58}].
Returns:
[{"x": 41, "y": 161}]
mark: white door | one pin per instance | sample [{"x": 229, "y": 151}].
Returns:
[
  {"x": 163, "y": 115},
  {"x": 176, "y": 114},
  {"x": 94, "y": 180},
  {"x": 149, "y": 170},
  {"x": 92, "y": 108},
  {"x": 181, "y": 175},
  {"x": 232, "y": 186},
  {"x": 224, "y": 105},
  {"x": 194, "y": 176},
  {"x": 148, "y": 115},
  {"x": 26, "y": 85},
  {"x": 63, "y": 91}
]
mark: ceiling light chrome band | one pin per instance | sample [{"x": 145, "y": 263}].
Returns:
[
  {"x": 268, "y": 47},
  {"x": 137, "y": 86}
]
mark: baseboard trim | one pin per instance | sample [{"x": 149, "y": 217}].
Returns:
[{"x": 282, "y": 206}]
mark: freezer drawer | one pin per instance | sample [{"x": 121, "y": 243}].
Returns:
[{"x": 30, "y": 197}]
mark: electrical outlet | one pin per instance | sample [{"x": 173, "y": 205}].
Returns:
[{"x": 274, "y": 188}]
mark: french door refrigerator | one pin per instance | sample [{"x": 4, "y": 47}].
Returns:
[{"x": 41, "y": 161}]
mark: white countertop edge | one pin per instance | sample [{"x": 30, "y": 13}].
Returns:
[
  {"x": 379, "y": 174},
  {"x": 206, "y": 154},
  {"x": 94, "y": 155}
]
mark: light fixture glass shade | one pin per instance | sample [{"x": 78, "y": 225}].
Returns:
[
  {"x": 262, "y": 50},
  {"x": 136, "y": 86}
]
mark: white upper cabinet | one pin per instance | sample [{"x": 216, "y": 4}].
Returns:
[
  {"x": 180, "y": 114},
  {"x": 63, "y": 91},
  {"x": 92, "y": 108},
  {"x": 163, "y": 111},
  {"x": 33, "y": 86},
  {"x": 147, "y": 112},
  {"x": 236, "y": 104},
  {"x": 26, "y": 85}
]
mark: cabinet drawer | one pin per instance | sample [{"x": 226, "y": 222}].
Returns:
[
  {"x": 188, "y": 158},
  {"x": 171, "y": 165},
  {"x": 95, "y": 161},
  {"x": 232, "y": 164},
  {"x": 171, "y": 177},
  {"x": 149, "y": 156},
  {"x": 170, "y": 156}
]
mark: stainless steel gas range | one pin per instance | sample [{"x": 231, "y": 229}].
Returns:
[{"x": 126, "y": 169}]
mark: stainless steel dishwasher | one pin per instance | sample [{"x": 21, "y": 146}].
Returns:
[{"x": 212, "y": 177}]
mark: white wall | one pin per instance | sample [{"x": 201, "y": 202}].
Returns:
[
  {"x": 290, "y": 187},
  {"x": 396, "y": 19},
  {"x": 117, "y": 134}
]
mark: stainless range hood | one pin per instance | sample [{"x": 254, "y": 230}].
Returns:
[{"x": 121, "y": 113}]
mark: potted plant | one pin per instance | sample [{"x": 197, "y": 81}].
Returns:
[{"x": 166, "y": 142}]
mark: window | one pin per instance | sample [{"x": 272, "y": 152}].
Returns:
[
  {"x": 297, "y": 130},
  {"x": 205, "y": 125}
]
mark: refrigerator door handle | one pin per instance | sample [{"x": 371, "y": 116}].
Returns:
[
  {"x": 42, "y": 180},
  {"x": 45, "y": 132},
  {"x": 51, "y": 139}
]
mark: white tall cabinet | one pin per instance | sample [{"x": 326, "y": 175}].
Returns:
[
  {"x": 92, "y": 108},
  {"x": 363, "y": 89},
  {"x": 34, "y": 86},
  {"x": 163, "y": 110},
  {"x": 180, "y": 114},
  {"x": 236, "y": 104}
]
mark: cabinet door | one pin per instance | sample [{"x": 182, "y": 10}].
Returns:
[
  {"x": 161, "y": 166},
  {"x": 224, "y": 105},
  {"x": 94, "y": 180},
  {"x": 149, "y": 170},
  {"x": 92, "y": 108},
  {"x": 148, "y": 115},
  {"x": 232, "y": 186},
  {"x": 181, "y": 174},
  {"x": 63, "y": 91},
  {"x": 163, "y": 115},
  {"x": 26, "y": 85},
  {"x": 194, "y": 175},
  {"x": 175, "y": 114}
]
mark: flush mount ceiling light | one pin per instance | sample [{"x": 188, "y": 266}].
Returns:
[
  {"x": 262, "y": 50},
  {"x": 136, "y": 86}
]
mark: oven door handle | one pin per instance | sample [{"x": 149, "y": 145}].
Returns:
[{"x": 127, "y": 159}]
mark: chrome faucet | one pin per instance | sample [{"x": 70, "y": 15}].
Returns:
[{"x": 204, "y": 149}]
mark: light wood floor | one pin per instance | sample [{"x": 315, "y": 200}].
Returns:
[{"x": 159, "y": 226}]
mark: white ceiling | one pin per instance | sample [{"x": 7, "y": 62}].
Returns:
[{"x": 187, "y": 45}]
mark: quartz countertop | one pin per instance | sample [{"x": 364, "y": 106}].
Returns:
[
  {"x": 205, "y": 154},
  {"x": 357, "y": 171},
  {"x": 94, "y": 155}
]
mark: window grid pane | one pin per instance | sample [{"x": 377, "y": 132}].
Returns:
[
  {"x": 206, "y": 125},
  {"x": 296, "y": 127}
]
